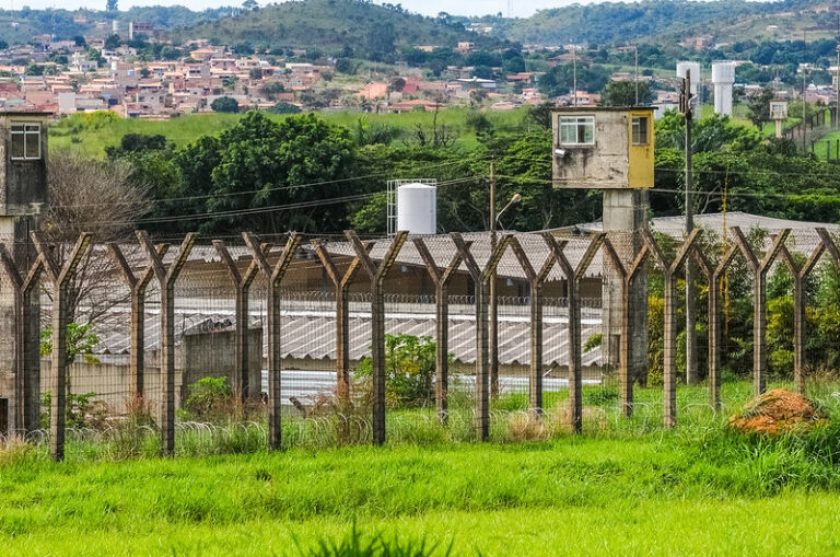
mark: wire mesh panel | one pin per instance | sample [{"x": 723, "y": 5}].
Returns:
[{"x": 767, "y": 317}]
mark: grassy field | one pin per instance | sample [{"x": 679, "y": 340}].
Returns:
[
  {"x": 90, "y": 134},
  {"x": 831, "y": 140},
  {"x": 623, "y": 490}
]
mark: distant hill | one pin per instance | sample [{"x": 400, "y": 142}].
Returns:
[
  {"x": 369, "y": 30},
  {"x": 664, "y": 21},
  {"x": 19, "y": 26}
]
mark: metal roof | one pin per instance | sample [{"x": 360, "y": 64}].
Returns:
[{"x": 310, "y": 334}]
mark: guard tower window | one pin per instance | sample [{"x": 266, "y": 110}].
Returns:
[
  {"x": 577, "y": 130},
  {"x": 640, "y": 130},
  {"x": 26, "y": 141}
]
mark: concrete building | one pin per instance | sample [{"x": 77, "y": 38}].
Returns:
[
  {"x": 23, "y": 196},
  {"x": 612, "y": 149}
]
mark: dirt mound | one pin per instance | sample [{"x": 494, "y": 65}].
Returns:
[{"x": 776, "y": 412}]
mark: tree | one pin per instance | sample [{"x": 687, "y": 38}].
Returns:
[
  {"x": 136, "y": 142},
  {"x": 758, "y": 105},
  {"x": 285, "y": 108},
  {"x": 112, "y": 42},
  {"x": 225, "y": 104},
  {"x": 559, "y": 79},
  {"x": 380, "y": 42},
  {"x": 111, "y": 6},
  {"x": 255, "y": 74},
  {"x": 259, "y": 163},
  {"x": 623, "y": 93},
  {"x": 96, "y": 197},
  {"x": 250, "y": 5}
]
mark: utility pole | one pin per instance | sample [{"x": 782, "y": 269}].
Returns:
[
  {"x": 636, "y": 78},
  {"x": 837, "y": 77},
  {"x": 690, "y": 303},
  {"x": 493, "y": 309},
  {"x": 804, "y": 102},
  {"x": 574, "y": 75}
]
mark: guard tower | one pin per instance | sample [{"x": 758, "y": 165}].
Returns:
[
  {"x": 778, "y": 113},
  {"x": 23, "y": 197},
  {"x": 612, "y": 149}
]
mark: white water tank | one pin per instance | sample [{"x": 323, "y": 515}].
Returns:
[
  {"x": 723, "y": 78},
  {"x": 417, "y": 208},
  {"x": 694, "y": 67}
]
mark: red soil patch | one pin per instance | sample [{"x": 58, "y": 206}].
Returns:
[{"x": 776, "y": 412}]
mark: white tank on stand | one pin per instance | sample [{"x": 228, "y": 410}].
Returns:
[
  {"x": 723, "y": 78},
  {"x": 417, "y": 208}
]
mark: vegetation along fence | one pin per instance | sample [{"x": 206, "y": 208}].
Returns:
[{"x": 352, "y": 340}]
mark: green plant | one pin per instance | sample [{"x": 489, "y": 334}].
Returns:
[
  {"x": 81, "y": 410},
  {"x": 593, "y": 342},
  {"x": 80, "y": 340},
  {"x": 409, "y": 370},
  {"x": 210, "y": 399},
  {"x": 357, "y": 544}
]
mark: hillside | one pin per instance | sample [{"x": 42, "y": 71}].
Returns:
[
  {"x": 371, "y": 31},
  {"x": 19, "y": 27},
  {"x": 675, "y": 20}
]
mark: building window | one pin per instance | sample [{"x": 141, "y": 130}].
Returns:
[
  {"x": 640, "y": 130},
  {"x": 577, "y": 130},
  {"x": 26, "y": 141}
]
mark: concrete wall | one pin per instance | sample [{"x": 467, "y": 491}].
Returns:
[{"x": 213, "y": 354}]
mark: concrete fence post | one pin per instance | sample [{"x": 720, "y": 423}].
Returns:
[
  {"x": 137, "y": 288},
  {"x": 573, "y": 275},
  {"x": 481, "y": 278},
  {"x": 27, "y": 385},
  {"x": 759, "y": 269},
  {"x": 341, "y": 285},
  {"x": 714, "y": 274},
  {"x": 377, "y": 274},
  {"x": 60, "y": 277},
  {"x": 275, "y": 276},
  {"x": 242, "y": 287},
  {"x": 669, "y": 271},
  {"x": 800, "y": 274},
  {"x": 627, "y": 276},
  {"x": 441, "y": 281},
  {"x": 535, "y": 282},
  {"x": 166, "y": 278}
]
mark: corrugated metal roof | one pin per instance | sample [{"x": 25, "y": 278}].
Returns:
[{"x": 308, "y": 334}]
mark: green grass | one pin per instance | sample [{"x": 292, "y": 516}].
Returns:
[
  {"x": 628, "y": 488},
  {"x": 90, "y": 136},
  {"x": 831, "y": 140}
]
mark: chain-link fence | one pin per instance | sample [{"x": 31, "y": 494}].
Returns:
[{"x": 309, "y": 341}]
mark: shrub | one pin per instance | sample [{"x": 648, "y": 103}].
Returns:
[
  {"x": 210, "y": 399},
  {"x": 81, "y": 411},
  {"x": 409, "y": 370}
]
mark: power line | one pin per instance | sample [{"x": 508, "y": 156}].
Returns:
[{"x": 274, "y": 208}]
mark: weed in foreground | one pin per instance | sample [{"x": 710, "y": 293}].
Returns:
[{"x": 357, "y": 544}]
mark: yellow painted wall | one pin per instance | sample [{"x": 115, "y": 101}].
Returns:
[{"x": 640, "y": 157}]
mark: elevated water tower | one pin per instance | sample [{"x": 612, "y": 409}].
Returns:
[
  {"x": 612, "y": 149},
  {"x": 723, "y": 79}
]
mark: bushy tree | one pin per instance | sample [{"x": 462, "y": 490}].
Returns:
[
  {"x": 623, "y": 93},
  {"x": 225, "y": 104}
]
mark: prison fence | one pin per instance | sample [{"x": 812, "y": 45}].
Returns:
[{"x": 303, "y": 339}]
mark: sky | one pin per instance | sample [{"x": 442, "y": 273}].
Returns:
[{"x": 515, "y": 8}]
